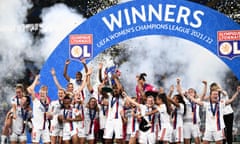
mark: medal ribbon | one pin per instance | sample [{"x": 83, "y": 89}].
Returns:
[
  {"x": 24, "y": 117},
  {"x": 194, "y": 107},
  {"x": 159, "y": 121},
  {"x": 134, "y": 120},
  {"x": 117, "y": 104},
  {"x": 218, "y": 119},
  {"x": 45, "y": 105},
  {"x": 213, "y": 110},
  {"x": 92, "y": 114},
  {"x": 175, "y": 118},
  {"x": 67, "y": 113}
]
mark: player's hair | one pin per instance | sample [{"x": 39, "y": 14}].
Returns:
[
  {"x": 180, "y": 100},
  {"x": 163, "y": 96},
  {"x": 142, "y": 76}
]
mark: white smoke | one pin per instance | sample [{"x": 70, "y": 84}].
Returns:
[
  {"x": 58, "y": 21},
  {"x": 171, "y": 58},
  {"x": 18, "y": 44},
  {"x": 14, "y": 40}
]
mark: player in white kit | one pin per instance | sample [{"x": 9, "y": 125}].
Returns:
[
  {"x": 19, "y": 124},
  {"x": 191, "y": 120},
  {"x": 214, "y": 125},
  {"x": 179, "y": 110},
  {"x": 148, "y": 136},
  {"x": 56, "y": 128},
  {"x": 114, "y": 122},
  {"x": 41, "y": 115}
]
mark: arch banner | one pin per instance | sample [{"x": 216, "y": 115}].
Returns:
[{"x": 197, "y": 23}]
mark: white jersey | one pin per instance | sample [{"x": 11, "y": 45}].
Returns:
[
  {"x": 132, "y": 122},
  {"x": 19, "y": 124},
  {"x": 163, "y": 117},
  {"x": 78, "y": 109},
  {"x": 69, "y": 113},
  {"x": 192, "y": 112},
  {"x": 150, "y": 118},
  {"x": 115, "y": 106},
  {"x": 55, "y": 109},
  {"x": 90, "y": 121},
  {"x": 214, "y": 116},
  {"x": 75, "y": 83},
  {"x": 228, "y": 108},
  {"x": 103, "y": 116},
  {"x": 15, "y": 100},
  {"x": 177, "y": 116},
  {"x": 39, "y": 115}
]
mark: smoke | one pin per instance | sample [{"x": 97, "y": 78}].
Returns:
[
  {"x": 18, "y": 44},
  {"x": 58, "y": 21},
  {"x": 14, "y": 40},
  {"x": 166, "y": 58}
]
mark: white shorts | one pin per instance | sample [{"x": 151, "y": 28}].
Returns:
[
  {"x": 190, "y": 130},
  {"x": 113, "y": 126},
  {"x": 67, "y": 134},
  {"x": 81, "y": 132},
  {"x": 165, "y": 134},
  {"x": 177, "y": 135},
  {"x": 147, "y": 137},
  {"x": 214, "y": 135},
  {"x": 56, "y": 131},
  {"x": 37, "y": 134},
  {"x": 15, "y": 137},
  {"x": 130, "y": 135}
]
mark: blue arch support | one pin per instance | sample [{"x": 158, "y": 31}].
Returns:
[{"x": 183, "y": 19}]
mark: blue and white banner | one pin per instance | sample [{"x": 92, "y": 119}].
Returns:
[{"x": 183, "y": 19}]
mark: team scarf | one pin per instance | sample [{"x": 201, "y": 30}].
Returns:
[
  {"x": 215, "y": 111},
  {"x": 24, "y": 114},
  {"x": 45, "y": 105},
  {"x": 113, "y": 101},
  {"x": 92, "y": 115},
  {"x": 68, "y": 113}
]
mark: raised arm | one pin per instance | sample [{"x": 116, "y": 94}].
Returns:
[
  {"x": 83, "y": 84},
  {"x": 100, "y": 65},
  {"x": 229, "y": 101},
  {"x": 89, "y": 85},
  {"x": 173, "y": 102},
  {"x": 171, "y": 90},
  {"x": 130, "y": 99},
  {"x": 31, "y": 88},
  {"x": 179, "y": 87},
  {"x": 116, "y": 80},
  {"x": 151, "y": 112},
  {"x": 83, "y": 60},
  {"x": 204, "y": 93},
  {"x": 67, "y": 62},
  {"x": 53, "y": 72},
  {"x": 199, "y": 102}
]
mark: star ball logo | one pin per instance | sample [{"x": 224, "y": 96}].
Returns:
[
  {"x": 80, "y": 46},
  {"x": 229, "y": 43}
]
